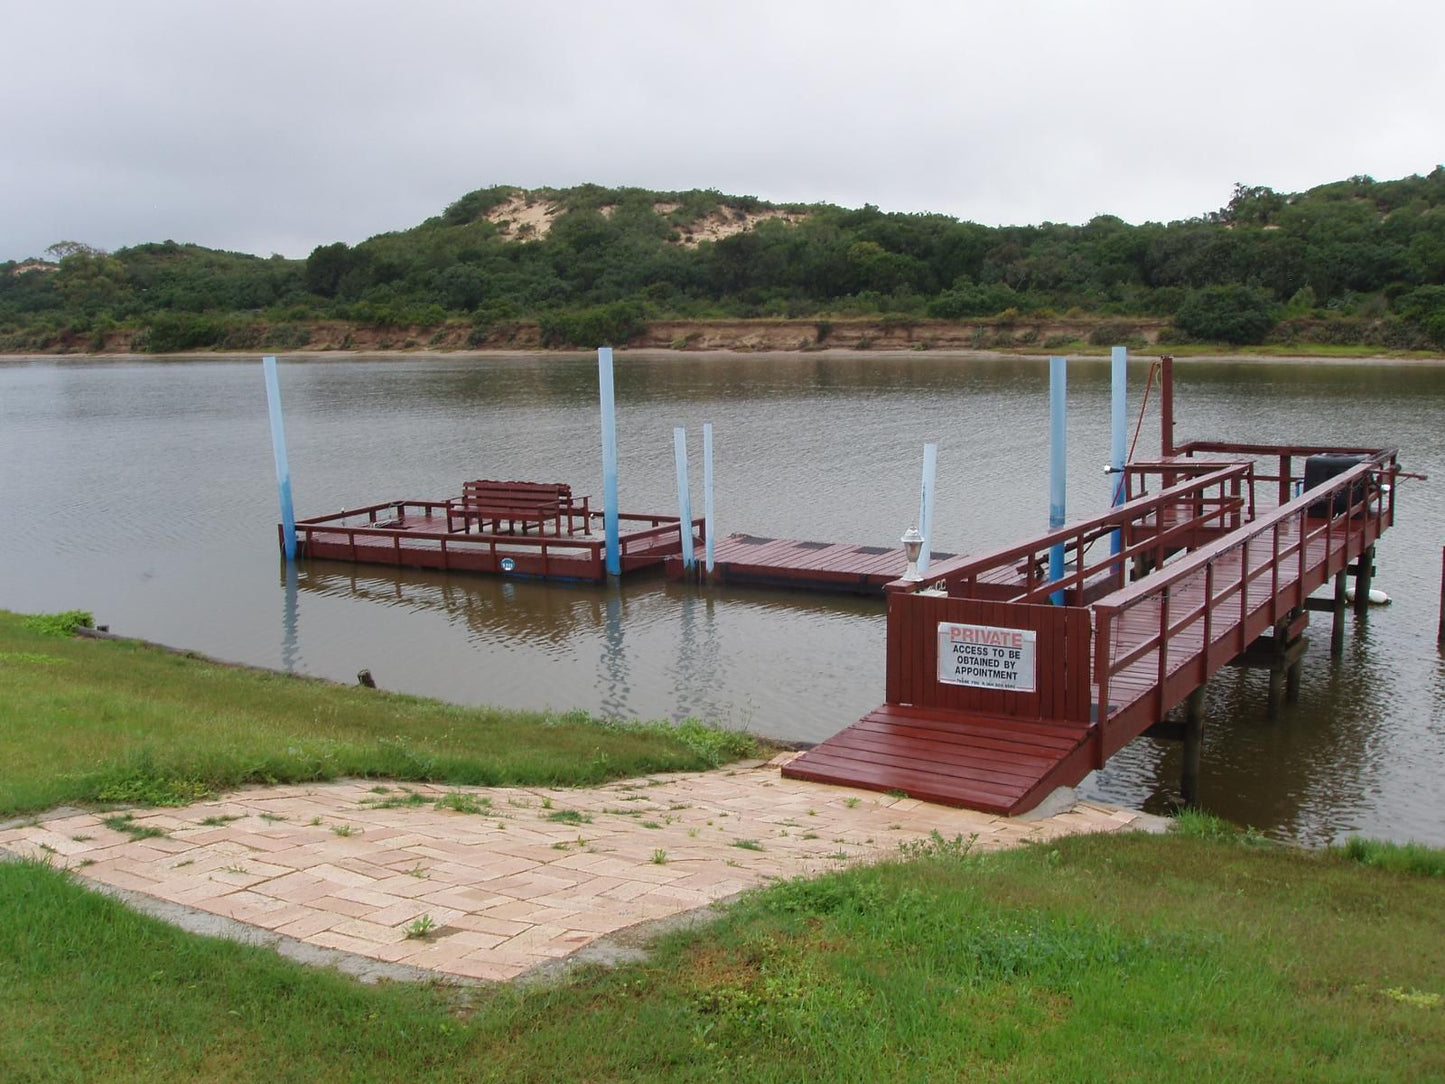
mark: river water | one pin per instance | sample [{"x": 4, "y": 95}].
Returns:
[{"x": 144, "y": 492}]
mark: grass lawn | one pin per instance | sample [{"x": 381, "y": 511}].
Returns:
[
  {"x": 1099, "y": 958},
  {"x": 116, "y": 722}
]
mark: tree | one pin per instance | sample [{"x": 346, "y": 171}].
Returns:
[{"x": 1231, "y": 314}]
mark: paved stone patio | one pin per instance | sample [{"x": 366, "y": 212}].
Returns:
[{"x": 509, "y": 877}]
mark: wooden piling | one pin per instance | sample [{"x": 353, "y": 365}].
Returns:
[
  {"x": 1341, "y": 605},
  {"x": 1441, "y": 634},
  {"x": 1364, "y": 574},
  {"x": 1193, "y": 747}
]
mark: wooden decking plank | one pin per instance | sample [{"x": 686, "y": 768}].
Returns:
[{"x": 962, "y": 771}]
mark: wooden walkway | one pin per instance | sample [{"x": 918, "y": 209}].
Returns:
[
  {"x": 809, "y": 566},
  {"x": 1106, "y": 668}
]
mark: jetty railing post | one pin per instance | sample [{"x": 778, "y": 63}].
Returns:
[
  {"x": 1441, "y": 635},
  {"x": 1058, "y": 394},
  {"x": 925, "y": 506},
  {"x": 609, "y": 459},
  {"x": 684, "y": 500},
  {"x": 1118, "y": 432},
  {"x": 709, "y": 530},
  {"x": 278, "y": 449}
]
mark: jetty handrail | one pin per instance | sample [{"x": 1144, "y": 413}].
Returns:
[
  {"x": 1076, "y": 537},
  {"x": 372, "y": 509},
  {"x": 1284, "y": 454},
  {"x": 1367, "y": 503}
]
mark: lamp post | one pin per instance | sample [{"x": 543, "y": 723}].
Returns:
[{"x": 912, "y": 547}]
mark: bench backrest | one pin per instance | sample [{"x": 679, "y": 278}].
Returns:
[{"x": 484, "y": 493}]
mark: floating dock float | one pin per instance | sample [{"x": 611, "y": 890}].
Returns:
[
  {"x": 811, "y": 566},
  {"x": 513, "y": 529}
]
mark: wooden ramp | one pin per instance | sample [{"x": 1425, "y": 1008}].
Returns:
[{"x": 986, "y": 762}]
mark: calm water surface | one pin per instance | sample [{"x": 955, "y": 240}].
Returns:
[{"x": 144, "y": 492}]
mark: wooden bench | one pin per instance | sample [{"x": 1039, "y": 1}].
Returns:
[{"x": 516, "y": 502}]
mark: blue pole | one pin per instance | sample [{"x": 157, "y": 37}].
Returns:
[
  {"x": 278, "y": 449},
  {"x": 707, "y": 509},
  {"x": 609, "y": 460},
  {"x": 679, "y": 453},
  {"x": 1119, "y": 371},
  {"x": 925, "y": 506},
  {"x": 1058, "y": 392},
  {"x": 684, "y": 499}
]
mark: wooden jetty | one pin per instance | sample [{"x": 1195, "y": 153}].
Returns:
[
  {"x": 809, "y": 566},
  {"x": 995, "y": 697},
  {"x": 508, "y": 528}
]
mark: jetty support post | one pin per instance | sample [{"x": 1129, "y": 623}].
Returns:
[
  {"x": 1118, "y": 434},
  {"x": 609, "y": 460},
  {"x": 684, "y": 500},
  {"x": 1364, "y": 575},
  {"x": 1193, "y": 747},
  {"x": 278, "y": 449},
  {"x": 709, "y": 529},
  {"x": 1058, "y": 394},
  {"x": 1341, "y": 604},
  {"x": 1440, "y": 639},
  {"x": 925, "y": 506}
]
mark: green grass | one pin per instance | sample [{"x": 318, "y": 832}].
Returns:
[
  {"x": 118, "y": 722},
  {"x": 1396, "y": 857},
  {"x": 1093, "y": 958}
]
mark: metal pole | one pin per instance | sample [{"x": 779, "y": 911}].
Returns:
[
  {"x": 1058, "y": 391},
  {"x": 707, "y": 508},
  {"x": 609, "y": 460},
  {"x": 1166, "y": 405},
  {"x": 278, "y": 449},
  {"x": 925, "y": 506},
  {"x": 1119, "y": 424},
  {"x": 684, "y": 500}
]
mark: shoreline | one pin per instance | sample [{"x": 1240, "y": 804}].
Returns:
[{"x": 714, "y": 354}]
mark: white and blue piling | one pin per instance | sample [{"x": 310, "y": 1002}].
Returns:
[
  {"x": 278, "y": 450},
  {"x": 925, "y": 506},
  {"x": 1058, "y": 460},
  {"x": 684, "y": 498},
  {"x": 1119, "y": 374},
  {"x": 609, "y": 461},
  {"x": 709, "y": 530}
]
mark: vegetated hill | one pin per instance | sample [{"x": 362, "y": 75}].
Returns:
[{"x": 1356, "y": 261}]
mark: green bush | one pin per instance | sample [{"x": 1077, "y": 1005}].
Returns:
[
  {"x": 606, "y": 325},
  {"x": 1231, "y": 314}
]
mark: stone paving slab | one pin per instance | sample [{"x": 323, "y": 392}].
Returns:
[{"x": 534, "y": 874}]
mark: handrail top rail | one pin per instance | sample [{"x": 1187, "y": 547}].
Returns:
[
  {"x": 1192, "y": 563},
  {"x": 1119, "y": 516},
  {"x": 1292, "y": 450}
]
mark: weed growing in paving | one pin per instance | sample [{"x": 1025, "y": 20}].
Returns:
[
  {"x": 272, "y": 817},
  {"x": 220, "y": 819},
  {"x": 569, "y": 816},
  {"x": 747, "y": 844},
  {"x": 651, "y": 824},
  {"x": 459, "y": 802},
  {"x": 125, "y": 822},
  {"x": 936, "y": 845},
  {"x": 409, "y": 800},
  {"x": 659, "y": 857},
  {"x": 421, "y": 927},
  {"x": 851, "y": 803},
  {"x": 343, "y": 829}
]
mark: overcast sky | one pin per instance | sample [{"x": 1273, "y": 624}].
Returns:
[{"x": 276, "y": 126}]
